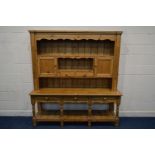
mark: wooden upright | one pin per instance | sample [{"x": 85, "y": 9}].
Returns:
[{"x": 73, "y": 67}]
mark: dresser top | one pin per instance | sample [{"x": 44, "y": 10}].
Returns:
[
  {"x": 78, "y": 31},
  {"x": 76, "y": 91}
]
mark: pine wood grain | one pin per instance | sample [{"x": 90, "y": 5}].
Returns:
[{"x": 75, "y": 66}]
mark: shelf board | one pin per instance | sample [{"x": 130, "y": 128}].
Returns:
[
  {"x": 49, "y": 118},
  {"x": 108, "y": 118},
  {"x": 76, "y": 91},
  {"x": 72, "y": 55},
  {"x": 75, "y": 118},
  {"x": 76, "y": 70},
  {"x": 69, "y": 76}
]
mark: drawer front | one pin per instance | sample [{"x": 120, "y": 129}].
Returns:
[
  {"x": 46, "y": 98},
  {"x": 104, "y": 99},
  {"x": 77, "y": 98}
]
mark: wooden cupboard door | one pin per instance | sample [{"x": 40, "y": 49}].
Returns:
[
  {"x": 47, "y": 66},
  {"x": 104, "y": 67}
]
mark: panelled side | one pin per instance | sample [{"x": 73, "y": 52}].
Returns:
[
  {"x": 34, "y": 60},
  {"x": 116, "y": 62}
]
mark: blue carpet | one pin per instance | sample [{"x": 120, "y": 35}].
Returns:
[{"x": 125, "y": 123}]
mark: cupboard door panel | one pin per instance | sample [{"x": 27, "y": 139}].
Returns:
[
  {"x": 104, "y": 67},
  {"x": 47, "y": 66}
]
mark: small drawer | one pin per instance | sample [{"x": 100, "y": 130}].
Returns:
[
  {"x": 46, "y": 98},
  {"x": 76, "y": 98},
  {"x": 104, "y": 99}
]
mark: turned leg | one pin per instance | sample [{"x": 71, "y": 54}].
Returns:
[
  {"x": 117, "y": 122},
  {"x": 40, "y": 109},
  {"x": 89, "y": 112},
  {"x": 111, "y": 108},
  {"x": 61, "y": 112},
  {"x": 62, "y": 124},
  {"x": 89, "y": 123},
  {"x": 34, "y": 122},
  {"x": 33, "y": 112},
  {"x": 117, "y": 112}
]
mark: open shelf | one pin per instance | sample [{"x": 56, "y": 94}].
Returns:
[
  {"x": 75, "y": 64},
  {"x": 81, "y": 117},
  {"x": 75, "y": 82},
  {"x": 71, "y": 47}
]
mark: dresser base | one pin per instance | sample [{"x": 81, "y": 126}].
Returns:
[{"x": 111, "y": 114}]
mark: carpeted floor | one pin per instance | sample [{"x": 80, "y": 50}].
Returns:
[{"x": 125, "y": 123}]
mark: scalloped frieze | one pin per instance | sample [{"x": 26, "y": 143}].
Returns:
[{"x": 49, "y": 36}]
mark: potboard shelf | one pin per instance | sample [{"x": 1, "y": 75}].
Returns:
[{"x": 74, "y": 117}]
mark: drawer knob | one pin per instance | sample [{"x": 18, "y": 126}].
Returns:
[
  {"x": 104, "y": 98},
  {"x": 46, "y": 98},
  {"x": 75, "y": 98}
]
